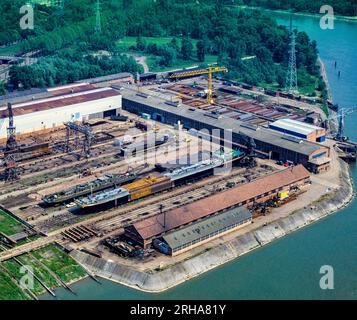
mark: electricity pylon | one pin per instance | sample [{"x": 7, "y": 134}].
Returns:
[
  {"x": 98, "y": 24},
  {"x": 291, "y": 76}
]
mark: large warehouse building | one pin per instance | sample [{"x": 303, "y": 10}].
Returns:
[
  {"x": 112, "y": 79},
  {"x": 74, "y": 102},
  {"x": 278, "y": 146},
  {"x": 260, "y": 190},
  {"x": 299, "y": 129}
]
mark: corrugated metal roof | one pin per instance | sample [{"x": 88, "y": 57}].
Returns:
[
  {"x": 67, "y": 86},
  {"x": 109, "y": 77},
  {"x": 72, "y": 90},
  {"x": 19, "y": 96},
  {"x": 320, "y": 161},
  {"x": 34, "y": 94},
  {"x": 207, "y": 227},
  {"x": 295, "y": 126},
  {"x": 263, "y": 134},
  {"x": 185, "y": 70},
  {"x": 153, "y": 226},
  {"x": 59, "y": 101}
]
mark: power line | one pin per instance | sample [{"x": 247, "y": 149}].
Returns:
[
  {"x": 291, "y": 76},
  {"x": 98, "y": 24}
]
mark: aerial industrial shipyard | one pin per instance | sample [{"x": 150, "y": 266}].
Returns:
[{"x": 145, "y": 172}]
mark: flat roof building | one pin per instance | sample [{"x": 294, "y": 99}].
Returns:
[
  {"x": 123, "y": 77},
  {"x": 299, "y": 129},
  {"x": 277, "y": 145},
  {"x": 74, "y": 102}
]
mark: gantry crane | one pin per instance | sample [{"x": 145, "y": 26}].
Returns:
[
  {"x": 340, "y": 136},
  {"x": 11, "y": 149},
  {"x": 77, "y": 129},
  {"x": 198, "y": 72}
]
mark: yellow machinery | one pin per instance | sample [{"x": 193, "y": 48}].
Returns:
[
  {"x": 283, "y": 194},
  {"x": 199, "y": 72}
]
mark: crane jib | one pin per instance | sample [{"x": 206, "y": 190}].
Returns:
[{"x": 198, "y": 72}]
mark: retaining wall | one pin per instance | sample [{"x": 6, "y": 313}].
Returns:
[{"x": 157, "y": 281}]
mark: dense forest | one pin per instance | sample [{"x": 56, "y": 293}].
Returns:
[
  {"x": 341, "y": 7},
  {"x": 68, "y": 45},
  {"x": 69, "y": 67}
]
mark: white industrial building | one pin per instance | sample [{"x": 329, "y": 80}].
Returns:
[
  {"x": 299, "y": 129},
  {"x": 75, "y": 102}
]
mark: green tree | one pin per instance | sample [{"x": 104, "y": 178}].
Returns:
[
  {"x": 69, "y": 44},
  {"x": 168, "y": 56},
  {"x": 127, "y": 4},
  {"x": 140, "y": 44},
  {"x": 201, "y": 51},
  {"x": 152, "y": 48},
  {"x": 173, "y": 43},
  {"x": 186, "y": 49}
]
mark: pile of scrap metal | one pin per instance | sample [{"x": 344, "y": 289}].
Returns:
[{"x": 124, "y": 248}]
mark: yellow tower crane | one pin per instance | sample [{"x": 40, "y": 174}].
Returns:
[{"x": 210, "y": 70}]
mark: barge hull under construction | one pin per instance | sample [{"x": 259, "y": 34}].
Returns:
[
  {"x": 148, "y": 186},
  {"x": 102, "y": 198},
  {"x": 99, "y": 184}
]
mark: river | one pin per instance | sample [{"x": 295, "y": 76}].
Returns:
[{"x": 289, "y": 267}]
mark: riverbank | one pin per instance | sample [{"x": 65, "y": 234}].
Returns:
[
  {"x": 303, "y": 14},
  {"x": 324, "y": 77},
  {"x": 287, "y": 268},
  {"x": 158, "y": 281}
]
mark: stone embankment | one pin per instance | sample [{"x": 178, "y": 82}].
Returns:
[{"x": 157, "y": 281}]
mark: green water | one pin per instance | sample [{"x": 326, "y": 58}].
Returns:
[{"x": 287, "y": 268}]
